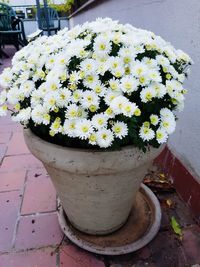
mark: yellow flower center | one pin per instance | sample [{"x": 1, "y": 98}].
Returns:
[
  {"x": 102, "y": 46},
  {"x": 85, "y": 129},
  {"x": 148, "y": 96},
  {"x": 127, "y": 60},
  {"x": 127, "y": 108},
  {"x": 137, "y": 112},
  {"x": 92, "y": 138},
  {"x": 146, "y": 124},
  {"x": 128, "y": 85},
  {"x": 104, "y": 136},
  {"x": 52, "y": 101},
  {"x": 92, "y": 108},
  {"x": 117, "y": 129},
  {"x": 146, "y": 130},
  {"x": 159, "y": 135},
  {"x": 109, "y": 111},
  {"x": 142, "y": 79},
  {"x": 100, "y": 121}
]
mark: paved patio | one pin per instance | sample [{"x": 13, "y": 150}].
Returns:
[{"x": 30, "y": 235}]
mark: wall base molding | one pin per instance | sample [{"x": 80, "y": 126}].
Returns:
[{"x": 185, "y": 183}]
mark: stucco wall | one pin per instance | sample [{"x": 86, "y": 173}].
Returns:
[{"x": 178, "y": 21}]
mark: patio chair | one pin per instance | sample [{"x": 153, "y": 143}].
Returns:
[
  {"x": 11, "y": 28},
  {"x": 54, "y": 20}
]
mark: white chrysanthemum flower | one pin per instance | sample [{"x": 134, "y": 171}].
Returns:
[
  {"x": 3, "y": 110},
  {"x": 38, "y": 75},
  {"x": 116, "y": 37},
  {"x": 23, "y": 115},
  {"x": 160, "y": 89},
  {"x": 102, "y": 45},
  {"x": 27, "y": 87},
  {"x": 161, "y": 136},
  {"x": 62, "y": 75},
  {"x": 64, "y": 97},
  {"x": 23, "y": 77},
  {"x": 120, "y": 129},
  {"x": 114, "y": 84},
  {"x": 69, "y": 127},
  {"x": 146, "y": 133},
  {"x": 127, "y": 55},
  {"x": 181, "y": 77},
  {"x": 56, "y": 127},
  {"x": 110, "y": 95},
  {"x": 41, "y": 61},
  {"x": 128, "y": 109},
  {"x": 178, "y": 97},
  {"x": 74, "y": 32},
  {"x": 3, "y": 97},
  {"x": 50, "y": 100},
  {"x": 129, "y": 84},
  {"x": 145, "y": 79},
  {"x": 46, "y": 118},
  {"x": 151, "y": 63},
  {"x": 20, "y": 67},
  {"x": 180, "y": 106},
  {"x": 139, "y": 69},
  {"x": 170, "y": 53},
  {"x": 117, "y": 103},
  {"x": 90, "y": 80},
  {"x": 82, "y": 113},
  {"x": 155, "y": 76},
  {"x": 76, "y": 96},
  {"x": 72, "y": 111},
  {"x": 105, "y": 138},
  {"x": 139, "y": 48},
  {"x": 37, "y": 114},
  {"x": 76, "y": 47},
  {"x": 6, "y": 77},
  {"x": 154, "y": 119},
  {"x": 62, "y": 59},
  {"x": 163, "y": 61},
  {"x": 109, "y": 113},
  {"x": 53, "y": 83},
  {"x": 88, "y": 66},
  {"x": 99, "y": 89},
  {"x": 169, "y": 124},
  {"x": 102, "y": 67},
  {"x": 147, "y": 94},
  {"x": 99, "y": 121},
  {"x": 93, "y": 138},
  {"x": 32, "y": 59},
  {"x": 50, "y": 62},
  {"x": 74, "y": 77},
  {"x": 36, "y": 98},
  {"x": 115, "y": 63},
  {"x": 183, "y": 56},
  {"x": 173, "y": 87},
  {"x": 89, "y": 98},
  {"x": 118, "y": 72},
  {"x": 166, "y": 113},
  {"x": 83, "y": 128}
]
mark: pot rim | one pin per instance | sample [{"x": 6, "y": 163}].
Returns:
[{"x": 28, "y": 132}]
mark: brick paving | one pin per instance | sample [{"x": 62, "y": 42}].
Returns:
[{"x": 30, "y": 235}]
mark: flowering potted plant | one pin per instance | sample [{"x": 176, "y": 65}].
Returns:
[{"x": 97, "y": 102}]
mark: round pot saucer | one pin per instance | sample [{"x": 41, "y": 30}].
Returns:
[{"x": 141, "y": 227}]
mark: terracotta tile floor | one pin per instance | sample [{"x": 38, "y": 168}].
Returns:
[{"x": 30, "y": 235}]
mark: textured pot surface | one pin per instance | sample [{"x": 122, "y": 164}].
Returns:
[{"x": 96, "y": 188}]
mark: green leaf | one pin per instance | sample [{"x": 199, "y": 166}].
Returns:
[{"x": 176, "y": 226}]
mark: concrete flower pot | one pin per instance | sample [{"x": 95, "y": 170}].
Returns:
[{"x": 96, "y": 188}]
